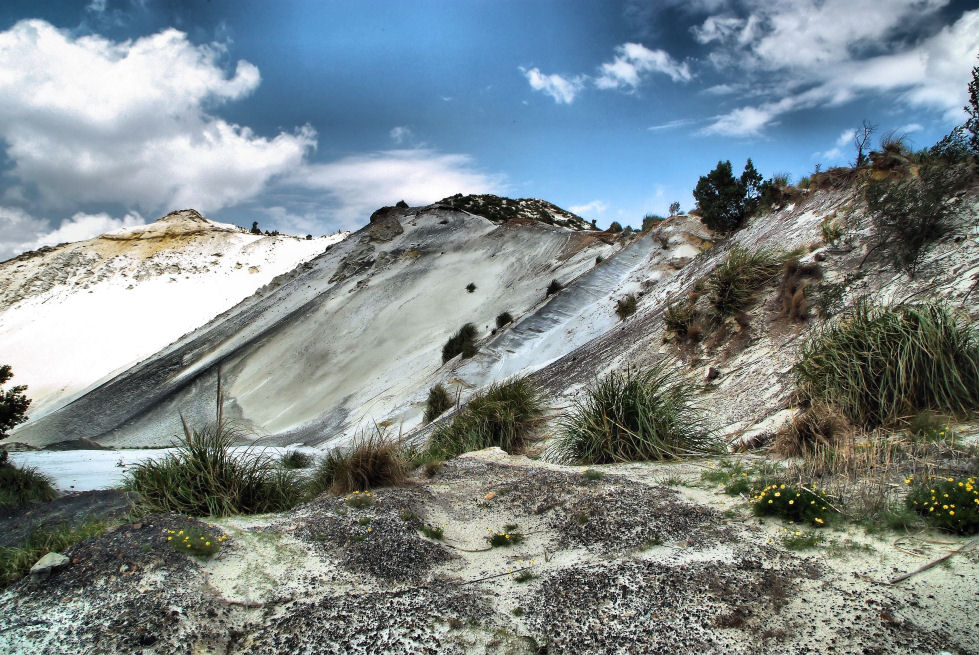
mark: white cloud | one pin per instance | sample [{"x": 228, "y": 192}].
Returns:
[
  {"x": 633, "y": 61},
  {"x": 594, "y": 208},
  {"x": 910, "y": 127},
  {"x": 21, "y": 232},
  {"x": 562, "y": 89},
  {"x": 670, "y": 125},
  {"x": 357, "y": 185},
  {"x": 814, "y": 53},
  {"x": 86, "y": 119},
  {"x": 846, "y": 137},
  {"x": 400, "y": 134}
]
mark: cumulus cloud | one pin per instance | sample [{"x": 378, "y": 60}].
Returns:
[
  {"x": 593, "y": 208},
  {"x": 21, "y": 232},
  {"x": 400, "y": 134},
  {"x": 814, "y": 53},
  {"x": 633, "y": 61},
  {"x": 355, "y": 186},
  {"x": 562, "y": 89},
  {"x": 87, "y": 119}
]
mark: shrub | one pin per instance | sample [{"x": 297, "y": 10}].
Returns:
[
  {"x": 368, "y": 463},
  {"x": 462, "y": 342},
  {"x": 614, "y": 226},
  {"x": 470, "y": 287},
  {"x": 16, "y": 561},
  {"x": 593, "y": 475},
  {"x": 950, "y": 504},
  {"x": 508, "y": 536},
  {"x": 910, "y": 214},
  {"x": 436, "y": 532},
  {"x": 876, "y": 364},
  {"x": 791, "y": 503},
  {"x": 626, "y": 307},
  {"x": 649, "y": 221},
  {"x": 296, "y": 459},
  {"x": 625, "y": 417},
  {"x": 206, "y": 476},
  {"x": 553, "y": 288},
  {"x": 195, "y": 541},
  {"x": 736, "y": 281},
  {"x": 21, "y": 485},
  {"x": 680, "y": 317},
  {"x": 439, "y": 401},
  {"x": 505, "y": 318},
  {"x": 726, "y": 202},
  {"x": 504, "y": 415},
  {"x": 13, "y": 403},
  {"x": 796, "y": 278},
  {"x": 817, "y": 425}
]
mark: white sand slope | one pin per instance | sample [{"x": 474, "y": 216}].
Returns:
[{"x": 74, "y": 315}]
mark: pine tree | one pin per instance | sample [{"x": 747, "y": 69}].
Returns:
[
  {"x": 13, "y": 403},
  {"x": 972, "y": 123}
]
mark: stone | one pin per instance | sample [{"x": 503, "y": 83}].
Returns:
[{"x": 44, "y": 566}]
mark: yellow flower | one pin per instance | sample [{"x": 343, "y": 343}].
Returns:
[
  {"x": 818, "y": 520},
  {"x": 169, "y": 538},
  {"x": 791, "y": 502},
  {"x": 207, "y": 543},
  {"x": 777, "y": 494},
  {"x": 951, "y": 512}
]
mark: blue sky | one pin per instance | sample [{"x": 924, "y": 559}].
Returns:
[{"x": 306, "y": 116}]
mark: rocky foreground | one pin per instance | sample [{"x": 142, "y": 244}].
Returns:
[{"x": 644, "y": 559}]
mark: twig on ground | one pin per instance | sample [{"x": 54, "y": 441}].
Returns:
[{"x": 966, "y": 546}]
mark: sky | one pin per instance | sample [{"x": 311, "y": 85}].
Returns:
[{"x": 306, "y": 116}]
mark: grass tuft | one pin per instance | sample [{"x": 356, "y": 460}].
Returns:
[
  {"x": 16, "y": 561},
  {"x": 439, "y": 402},
  {"x": 625, "y": 417},
  {"x": 736, "y": 281},
  {"x": 503, "y": 318},
  {"x": 369, "y": 463},
  {"x": 296, "y": 459},
  {"x": 626, "y": 307},
  {"x": 21, "y": 485},
  {"x": 504, "y": 415},
  {"x": 877, "y": 364},
  {"x": 462, "y": 342}
]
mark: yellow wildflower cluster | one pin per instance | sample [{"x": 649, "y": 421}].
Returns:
[
  {"x": 801, "y": 504},
  {"x": 949, "y": 503},
  {"x": 196, "y": 542},
  {"x": 360, "y": 499}
]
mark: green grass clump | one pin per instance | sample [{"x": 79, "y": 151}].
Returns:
[
  {"x": 462, "y": 342},
  {"x": 553, "y": 288},
  {"x": 359, "y": 499},
  {"x": 802, "y": 539},
  {"x": 296, "y": 459},
  {"x": 436, "y": 532},
  {"x": 593, "y": 475},
  {"x": 877, "y": 364},
  {"x": 16, "y": 561},
  {"x": 626, "y": 307},
  {"x": 20, "y": 485},
  {"x": 195, "y": 541},
  {"x": 439, "y": 402},
  {"x": 794, "y": 504},
  {"x": 950, "y": 504},
  {"x": 737, "y": 280},
  {"x": 626, "y": 417},
  {"x": 508, "y": 536},
  {"x": 369, "y": 463},
  {"x": 504, "y": 415},
  {"x": 504, "y": 318},
  {"x": 206, "y": 477}
]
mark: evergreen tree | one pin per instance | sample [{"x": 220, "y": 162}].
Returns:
[
  {"x": 726, "y": 202},
  {"x": 255, "y": 229},
  {"x": 972, "y": 123},
  {"x": 13, "y": 403}
]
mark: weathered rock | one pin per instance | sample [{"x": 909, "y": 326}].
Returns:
[{"x": 43, "y": 568}]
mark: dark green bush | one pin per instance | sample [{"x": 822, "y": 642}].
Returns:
[
  {"x": 296, "y": 459},
  {"x": 726, "y": 202},
  {"x": 13, "y": 403},
  {"x": 626, "y": 307},
  {"x": 877, "y": 364},
  {"x": 368, "y": 463},
  {"x": 626, "y": 417},
  {"x": 504, "y": 318},
  {"x": 439, "y": 401},
  {"x": 206, "y": 476},
  {"x": 553, "y": 288},
  {"x": 505, "y": 415},
  {"x": 615, "y": 227},
  {"x": 470, "y": 287},
  {"x": 462, "y": 342}
]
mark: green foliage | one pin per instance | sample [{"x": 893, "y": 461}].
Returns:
[
  {"x": 206, "y": 476},
  {"x": 972, "y": 109},
  {"x": 593, "y": 475},
  {"x": 504, "y": 318},
  {"x": 649, "y": 221},
  {"x": 462, "y": 342},
  {"x": 296, "y": 459},
  {"x": 553, "y": 288},
  {"x": 471, "y": 287},
  {"x": 931, "y": 426},
  {"x": 439, "y": 401},
  {"x": 508, "y": 536},
  {"x": 368, "y": 463},
  {"x": 626, "y": 307},
  {"x": 726, "y": 202},
  {"x": 436, "y": 532},
  {"x": 802, "y": 539},
  {"x": 615, "y": 226},
  {"x": 13, "y": 403},
  {"x": 796, "y": 504},
  {"x": 255, "y": 229},
  {"x": 877, "y": 364},
  {"x": 679, "y": 317},
  {"x": 504, "y": 415},
  {"x": 736, "y": 281},
  {"x": 16, "y": 561},
  {"x": 674, "y": 208},
  {"x": 20, "y": 485},
  {"x": 626, "y": 417},
  {"x": 950, "y": 504},
  {"x": 910, "y": 214},
  {"x": 359, "y": 499},
  {"x": 196, "y": 542}
]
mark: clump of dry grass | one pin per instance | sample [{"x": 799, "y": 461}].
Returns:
[
  {"x": 371, "y": 462},
  {"x": 818, "y": 424}
]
